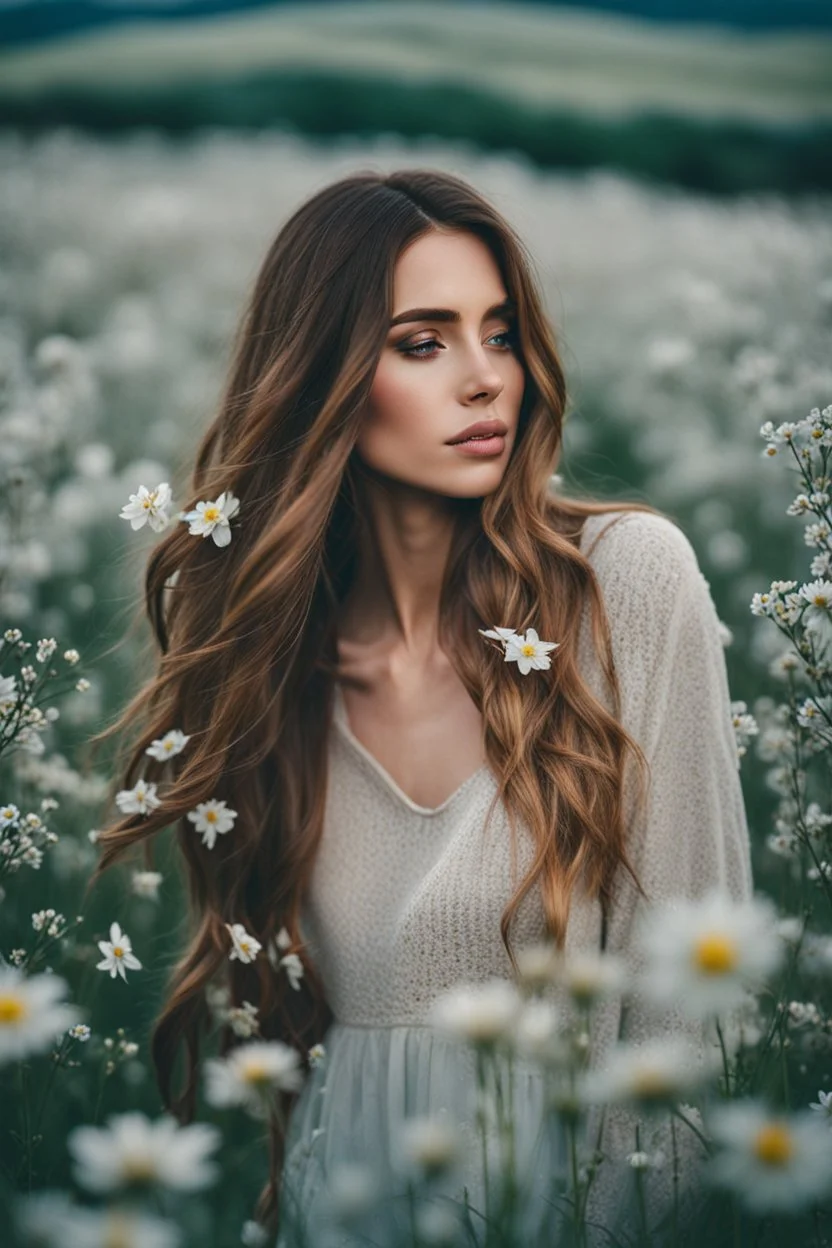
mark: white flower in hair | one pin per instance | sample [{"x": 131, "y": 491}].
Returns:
[
  {"x": 243, "y": 945},
  {"x": 165, "y": 747},
  {"x": 148, "y": 507},
  {"x": 527, "y": 652},
  {"x": 212, "y": 519}
]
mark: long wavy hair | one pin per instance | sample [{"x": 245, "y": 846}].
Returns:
[{"x": 246, "y": 634}]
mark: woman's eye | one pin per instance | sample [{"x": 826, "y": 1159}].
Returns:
[{"x": 419, "y": 352}]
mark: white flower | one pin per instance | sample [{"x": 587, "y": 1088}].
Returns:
[
  {"x": 118, "y": 954},
  {"x": 537, "y": 965},
  {"x": 479, "y": 1014},
  {"x": 253, "y": 1235},
  {"x": 250, "y": 1075},
  {"x": 212, "y": 518},
  {"x": 651, "y": 1073},
  {"x": 243, "y": 946},
  {"x": 146, "y": 883},
  {"x": 243, "y": 1019},
  {"x": 171, "y": 743},
  {"x": 132, "y": 1150},
  {"x": 212, "y": 818},
  {"x": 57, "y": 1222},
  {"x": 141, "y": 799},
  {"x": 772, "y": 1161},
  {"x": 8, "y": 815},
  {"x": 8, "y": 688},
  {"x": 316, "y": 1055},
  {"x": 816, "y": 618},
  {"x": 529, "y": 652},
  {"x": 294, "y": 968},
  {"x": 80, "y": 1032},
  {"x": 428, "y": 1146},
  {"x": 148, "y": 507},
  {"x": 537, "y": 1032},
  {"x": 31, "y": 1013},
  {"x": 498, "y": 634},
  {"x": 353, "y": 1190},
  {"x": 823, "y": 1106},
  {"x": 589, "y": 976},
  {"x": 705, "y": 954}
]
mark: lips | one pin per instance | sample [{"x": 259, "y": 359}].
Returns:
[{"x": 480, "y": 429}]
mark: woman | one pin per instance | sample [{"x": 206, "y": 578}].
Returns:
[{"x": 330, "y": 667}]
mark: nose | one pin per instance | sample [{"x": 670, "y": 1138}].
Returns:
[{"x": 484, "y": 381}]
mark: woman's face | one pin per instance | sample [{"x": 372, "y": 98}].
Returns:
[{"x": 448, "y": 362}]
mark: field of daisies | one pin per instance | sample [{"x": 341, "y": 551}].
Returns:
[{"x": 696, "y": 338}]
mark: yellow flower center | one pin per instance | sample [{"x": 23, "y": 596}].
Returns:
[
  {"x": 139, "y": 1169},
  {"x": 650, "y": 1083},
  {"x": 820, "y": 600},
  {"x": 528, "y": 648},
  {"x": 12, "y": 1009},
  {"x": 211, "y": 513},
  {"x": 211, "y": 816},
  {"x": 117, "y": 1233},
  {"x": 715, "y": 954},
  {"x": 118, "y": 951},
  {"x": 773, "y": 1144},
  {"x": 168, "y": 745},
  {"x": 245, "y": 946},
  {"x": 256, "y": 1072}
]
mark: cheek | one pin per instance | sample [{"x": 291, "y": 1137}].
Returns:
[{"x": 400, "y": 404}]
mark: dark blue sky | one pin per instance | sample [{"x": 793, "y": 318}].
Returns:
[{"x": 31, "y": 21}]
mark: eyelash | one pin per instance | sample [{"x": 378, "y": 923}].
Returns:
[{"x": 416, "y": 353}]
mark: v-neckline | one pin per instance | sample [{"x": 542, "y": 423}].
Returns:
[{"x": 342, "y": 721}]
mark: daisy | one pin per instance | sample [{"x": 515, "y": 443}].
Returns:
[
  {"x": 31, "y": 1012},
  {"x": 528, "y": 652},
  {"x": 165, "y": 747},
  {"x": 146, "y": 884},
  {"x": 816, "y": 618},
  {"x": 148, "y": 507},
  {"x": 212, "y": 518},
  {"x": 652, "y": 1073},
  {"x": 499, "y": 634},
  {"x": 428, "y": 1146},
  {"x": 243, "y": 946},
  {"x": 705, "y": 955},
  {"x": 478, "y": 1014},
  {"x": 774, "y": 1161},
  {"x": 58, "y": 1223},
  {"x": 537, "y": 1033},
  {"x": 134, "y": 1151},
  {"x": 212, "y": 818},
  {"x": 118, "y": 954},
  {"x": 141, "y": 799},
  {"x": 588, "y": 977},
  {"x": 823, "y": 1106},
  {"x": 251, "y": 1074}
]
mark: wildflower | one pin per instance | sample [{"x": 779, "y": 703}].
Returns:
[
  {"x": 653, "y": 1074},
  {"x": 212, "y": 518},
  {"x": 165, "y": 747},
  {"x": 8, "y": 688},
  {"x": 705, "y": 954},
  {"x": 502, "y": 635},
  {"x": 823, "y": 1106},
  {"x": 242, "y": 1019},
  {"x": 537, "y": 1032},
  {"x": 254, "y": 1234},
  {"x": 80, "y": 1032},
  {"x": 131, "y": 1150},
  {"x": 212, "y": 818},
  {"x": 353, "y": 1190},
  {"x": 146, "y": 884},
  {"x": 8, "y": 815},
  {"x": 243, "y": 946},
  {"x": 588, "y": 977},
  {"x": 118, "y": 954},
  {"x": 428, "y": 1146},
  {"x": 316, "y": 1055},
  {"x": 250, "y": 1075},
  {"x": 479, "y": 1014},
  {"x": 537, "y": 965},
  {"x": 141, "y": 799},
  {"x": 71, "y": 657},
  {"x": 148, "y": 507},
  {"x": 772, "y": 1161},
  {"x": 528, "y": 652},
  {"x": 31, "y": 1012}
]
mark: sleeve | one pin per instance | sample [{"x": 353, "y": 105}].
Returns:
[{"x": 692, "y": 834}]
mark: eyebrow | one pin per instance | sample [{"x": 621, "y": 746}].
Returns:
[{"x": 505, "y": 306}]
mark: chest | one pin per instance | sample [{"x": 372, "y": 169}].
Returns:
[{"x": 425, "y": 733}]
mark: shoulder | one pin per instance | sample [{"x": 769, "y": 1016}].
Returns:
[{"x": 640, "y": 549}]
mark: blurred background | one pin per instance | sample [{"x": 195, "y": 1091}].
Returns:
[{"x": 669, "y": 165}]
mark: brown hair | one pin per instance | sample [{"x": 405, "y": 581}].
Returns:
[{"x": 246, "y": 634}]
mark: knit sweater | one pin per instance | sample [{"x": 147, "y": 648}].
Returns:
[{"x": 405, "y": 900}]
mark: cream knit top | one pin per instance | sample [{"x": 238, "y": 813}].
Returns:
[{"x": 406, "y": 900}]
